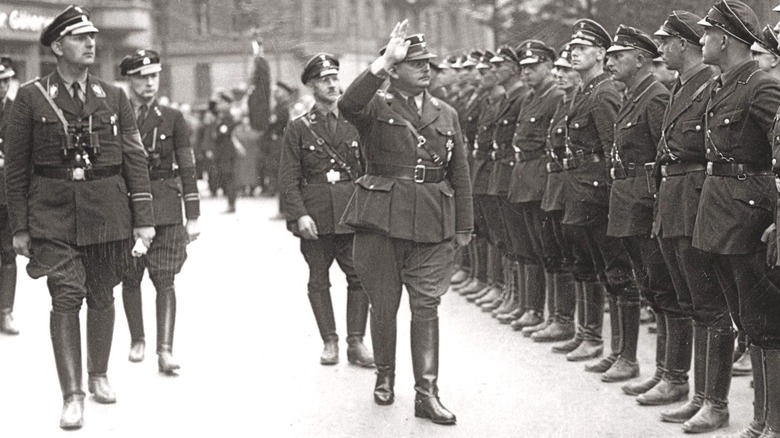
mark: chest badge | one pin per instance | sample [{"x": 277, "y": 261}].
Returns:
[
  {"x": 54, "y": 90},
  {"x": 223, "y": 129},
  {"x": 333, "y": 176},
  {"x": 98, "y": 90}
]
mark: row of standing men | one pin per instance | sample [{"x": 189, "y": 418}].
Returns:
[{"x": 609, "y": 184}]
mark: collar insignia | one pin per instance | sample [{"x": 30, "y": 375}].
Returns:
[
  {"x": 98, "y": 90},
  {"x": 54, "y": 90}
]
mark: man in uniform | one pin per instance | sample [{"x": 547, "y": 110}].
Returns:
[
  {"x": 319, "y": 164},
  {"x": 73, "y": 154},
  {"x": 589, "y": 130},
  {"x": 637, "y": 131},
  {"x": 680, "y": 165},
  {"x": 166, "y": 138},
  {"x": 737, "y": 203},
  {"x": 410, "y": 210},
  {"x": 7, "y": 254}
]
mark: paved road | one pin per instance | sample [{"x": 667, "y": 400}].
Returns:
[{"x": 249, "y": 351}]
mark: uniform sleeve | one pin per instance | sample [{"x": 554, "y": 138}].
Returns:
[
  {"x": 764, "y": 105},
  {"x": 605, "y": 111},
  {"x": 290, "y": 174},
  {"x": 461, "y": 182},
  {"x": 18, "y": 158},
  {"x": 185, "y": 158},
  {"x": 354, "y": 103},
  {"x": 134, "y": 166}
]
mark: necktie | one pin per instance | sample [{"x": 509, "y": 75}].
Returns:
[
  {"x": 718, "y": 85},
  {"x": 141, "y": 116},
  {"x": 413, "y": 105},
  {"x": 77, "y": 96},
  {"x": 332, "y": 123}
]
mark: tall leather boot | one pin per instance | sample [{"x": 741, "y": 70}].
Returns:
[
  {"x": 742, "y": 365},
  {"x": 534, "y": 297},
  {"x": 771, "y": 383},
  {"x": 579, "y": 334},
  {"x": 357, "y": 316},
  {"x": 483, "y": 273},
  {"x": 637, "y": 388},
  {"x": 614, "y": 338},
  {"x": 714, "y": 413},
  {"x": 758, "y": 425},
  {"x": 490, "y": 301},
  {"x": 322, "y": 307},
  {"x": 425, "y": 365},
  {"x": 674, "y": 385},
  {"x": 461, "y": 274},
  {"x": 509, "y": 298},
  {"x": 100, "y": 334},
  {"x": 626, "y": 366},
  {"x": 518, "y": 278},
  {"x": 65, "y": 332},
  {"x": 166, "y": 322},
  {"x": 383, "y": 339},
  {"x": 7, "y": 298},
  {"x": 562, "y": 326},
  {"x": 592, "y": 345},
  {"x": 132, "y": 301},
  {"x": 549, "y": 299},
  {"x": 476, "y": 262},
  {"x": 688, "y": 410}
]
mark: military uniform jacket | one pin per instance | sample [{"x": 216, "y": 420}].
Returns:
[
  {"x": 303, "y": 168},
  {"x": 735, "y": 211},
  {"x": 637, "y": 131},
  {"x": 166, "y": 138},
  {"x": 484, "y": 146},
  {"x": 555, "y": 146},
  {"x": 504, "y": 155},
  {"x": 222, "y": 133},
  {"x": 421, "y": 212},
  {"x": 77, "y": 212},
  {"x": 682, "y": 141},
  {"x": 529, "y": 176},
  {"x": 590, "y": 129},
  {"x": 5, "y": 110}
]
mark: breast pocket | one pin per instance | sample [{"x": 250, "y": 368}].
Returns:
[
  {"x": 731, "y": 120},
  {"x": 313, "y": 152},
  {"x": 48, "y": 129},
  {"x": 394, "y": 135},
  {"x": 580, "y": 131}
]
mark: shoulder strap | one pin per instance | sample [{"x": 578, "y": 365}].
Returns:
[
  {"x": 328, "y": 149},
  {"x": 54, "y": 107}
]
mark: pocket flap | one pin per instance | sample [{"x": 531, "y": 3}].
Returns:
[
  {"x": 753, "y": 198},
  {"x": 448, "y": 131},
  {"x": 730, "y": 118},
  {"x": 692, "y": 125},
  {"x": 391, "y": 119},
  {"x": 447, "y": 191},
  {"x": 580, "y": 123},
  {"x": 375, "y": 183}
]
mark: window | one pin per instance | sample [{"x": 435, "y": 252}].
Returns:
[
  {"x": 202, "y": 19},
  {"x": 245, "y": 16},
  {"x": 323, "y": 14},
  {"x": 203, "y": 81}
]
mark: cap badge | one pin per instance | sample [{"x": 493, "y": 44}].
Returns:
[
  {"x": 579, "y": 35},
  {"x": 529, "y": 53},
  {"x": 326, "y": 64},
  {"x": 146, "y": 61}
]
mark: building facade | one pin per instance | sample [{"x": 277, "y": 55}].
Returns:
[{"x": 206, "y": 44}]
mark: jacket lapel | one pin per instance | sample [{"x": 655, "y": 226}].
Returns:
[
  {"x": 430, "y": 110},
  {"x": 319, "y": 125},
  {"x": 153, "y": 119},
  {"x": 681, "y": 103},
  {"x": 96, "y": 96},
  {"x": 61, "y": 96}
]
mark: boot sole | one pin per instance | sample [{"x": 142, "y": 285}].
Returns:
[
  {"x": 709, "y": 429},
  {"x": 426, "y": 417},
  {"x": 662, "y": 402},
  {"x": 381, "y": 402}
]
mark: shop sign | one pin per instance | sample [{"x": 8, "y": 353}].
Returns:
[{"x": 23, "y": 21}]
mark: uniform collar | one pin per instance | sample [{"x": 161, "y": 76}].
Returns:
[
  {"x": 732, "y": 75},
  {"x": 691, "y": 72}
]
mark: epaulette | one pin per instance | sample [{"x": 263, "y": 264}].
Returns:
[{"x": 35, "y": 79}]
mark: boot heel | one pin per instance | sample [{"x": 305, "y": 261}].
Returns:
[
  {"x": 166, "y": 364},
  {"x": 72, "y": 413}
]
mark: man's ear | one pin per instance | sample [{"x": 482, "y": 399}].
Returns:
[{"x": 56, "y": 47}]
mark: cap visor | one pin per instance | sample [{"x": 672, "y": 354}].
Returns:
[
  {"x": 497, "y": 59},
  {"x": 615, "y": 48},
  {"x": 7, "y": 74},
  {"x": 146, "y": 70},
  {"x": 755, "y": 47},
  {"x": 776, "y": 8},
  {"x": 420, "y": 56},
  {"x": 581, "y": 42},
  {"x": 662, "y": 32},
  {"x": 704, "y": 22},
  {"x": 562, "y": 63},
  {"x": 87, "y": 27},
  {"x": 529, "y": 61}
]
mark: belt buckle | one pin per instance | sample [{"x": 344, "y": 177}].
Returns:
[
  {"x": 493, "y": 155},
  {"x": 612, "y": 173},
  {"x": 566, "y": 164},
  {"x": 709, "y": 168},
  {"x": 663, "y": 170},
  {"x": 419, "y": 173},
  {"x": 77, "y": 174}
]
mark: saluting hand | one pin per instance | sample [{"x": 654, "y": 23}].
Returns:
[
  {"x": 22, "y": 243},
  {"x": 397, "y": 47},
  {"x": 307, "y": 227}
]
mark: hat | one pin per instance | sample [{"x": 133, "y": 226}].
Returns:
[
  {"x": 508, "y": 54},
  {"x": 534, "y": 52},
  {"x": 777, "y": 8},
  {"x": 497, "y": 59},
  {"x": 589, "y": 33},
  {"x": 6, "y": 68},
  {"x": 768, "y": 43},
  {"x": 418, "y": 48},
  {"x": 446, "y": 63},
  {"x": 321, "y": 65},
  {"x": 484, "y": 60},
  {"x": 457, "y": 64},
  {"x": 629, "y": 38},
  {"x": 734, "y": 18},
  {"x": 74, "y": 20},
  {"x": 142, "y": 62},
  {"x": 682, "y": 24},
  {"x": 564, "y": 57},
  {"x": 472, "y": 59}
]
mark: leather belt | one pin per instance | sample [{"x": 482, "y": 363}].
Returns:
[
  {"x": 76, "y": 173},
  {"x": 674, "y": 169},
  {"x": 159, "y": 175},
  {"x": 500, "y": 154},
  {"x": 479, "y": 154},
  {"x": 580, "y": 159},
  {"x": 740, "y": 171},
  {"x": 522, "y": 156},
  {"x": 554, "y": 167},
  {"x": 419, "y": 174},
  {"x": 631, "y": 170},
  {"x": 322, "y": 178}
]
